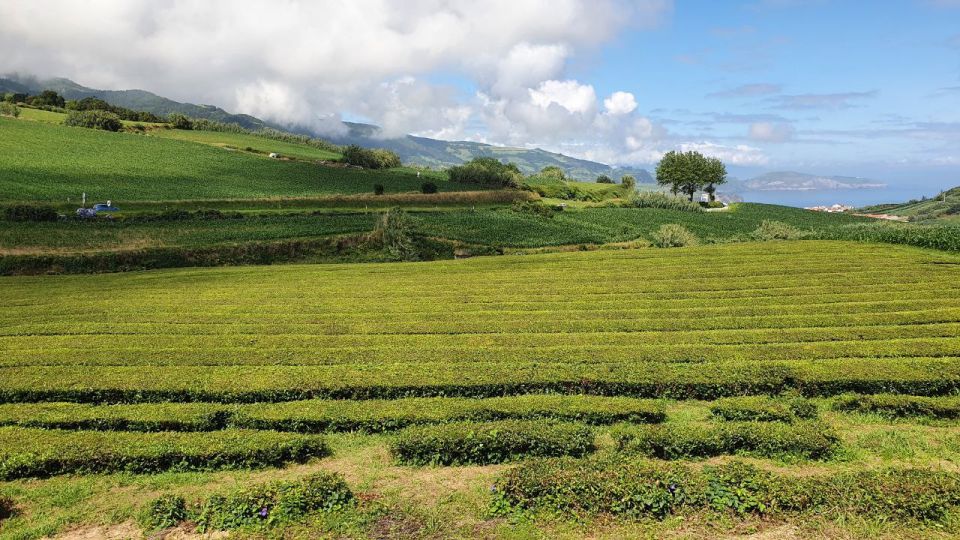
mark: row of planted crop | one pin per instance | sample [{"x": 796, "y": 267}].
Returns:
[
  {"x": 941, "y": 344},
  {"x": 270, "y": 383},
  {"x": 372, "y": 416}
]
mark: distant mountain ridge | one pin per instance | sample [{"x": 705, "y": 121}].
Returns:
[
  {"x": 795, "y": 181},
  {"x": 413, "y": 150}
]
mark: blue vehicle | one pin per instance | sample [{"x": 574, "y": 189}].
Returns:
[{"x": 105, "y": 207}]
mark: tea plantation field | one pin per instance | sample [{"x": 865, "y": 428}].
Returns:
[{"x": 793, "y": 388}]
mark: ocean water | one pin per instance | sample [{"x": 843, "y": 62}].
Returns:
[{"x": 849, "y": 197}]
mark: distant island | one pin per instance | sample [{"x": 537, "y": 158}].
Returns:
[{"x": 795, "y": 181}]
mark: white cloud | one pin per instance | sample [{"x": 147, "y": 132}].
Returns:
[
  {"x": 771, "y": 131},
  {"x": 571, "y": 95},
  {"x": 620, "y": 103},
  {"x": 740, "y": 154}
]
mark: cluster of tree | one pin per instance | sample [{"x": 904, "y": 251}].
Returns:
[
  {"x": 97, "y": 104},
  {"x": 690, "y": 172},
  {"x": 94, "y": 119},
  {"x": 370, "y": 158},
  {"x": 9, "y": 109},
  {"x": 487, "y": 171}
]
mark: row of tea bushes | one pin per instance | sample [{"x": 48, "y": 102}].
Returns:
[
  {"x": 642, "y": 488},
  {"x": 28, "y": 452}
]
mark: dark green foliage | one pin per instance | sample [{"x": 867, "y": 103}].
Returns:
[
  {"x": 810, "y": 440},
  {"x": 148, "y": 417},
  {"x": 688, "y": 172},
  {"x": 663, "y": 201},
  {"x": 179, "y": 121},
  {"x": 164, "y": 512},
  {"x": 107, "y": 121},
  {"x": 47, "y": 98},
  {"x": 536, "y": 208},
  {"x": 428, "y": 187},
  {"x": 604, "y": 179},
  {"x": 92, "y": 103},
  {"x": 30, "y": 212},
  {"x": 370, "y": 158},
  {"x": 763, "y": 409},
  {"x": 672, "y": 235},
  {"x": 275, "y": 503},
  {"x": 640, "y": 488},
  {"x": 486, "y": 171},
  {"x": 9, "y": 109},
  {"x": 393, "y": 235},
  {"x": 493, "y": 442},
  {"x": 900, "y": 406},
  {"x": 8, "y": 508},
  {"x": 628, "y": 182},
  {"x": 378, "y": 189}
]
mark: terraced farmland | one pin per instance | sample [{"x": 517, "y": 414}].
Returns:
[{"x": 619, "y": 360}]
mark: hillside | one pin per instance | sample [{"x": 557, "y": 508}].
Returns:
[
  {"x": 412, "y": 150},
  {"x": 48, "y": 162},
  {"x": 944, "y": 206}
]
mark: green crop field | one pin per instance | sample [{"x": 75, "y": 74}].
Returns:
[
  {"x": 41, "y": 162},
  {"x": 791, "y": 388}
]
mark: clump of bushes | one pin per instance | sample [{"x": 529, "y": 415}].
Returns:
[
  {"x": 900, "y": 406},
  {"x": 641, "y": 488},
  {"x": 776, "y": 230},
  {"x": 30, "y": 212},
  {"x": 763, "y": 409},
  {"x": 490, "y": 442},
  {"x": 672, "y": 235},
  {"x": 180, "y": 121},
  {"x": 604, "y": 179},
  {"x": 393, "y": 234},
  {"x": 370, "y": 158},
  {"x": 486, "y": 171},
  {"x": 94, "y": 119},
  {"x": 9, "y": 109},
  {"x": 663, "y": 201},
  {"x": 810, "y": 440},
  {"x": 378, "y": 189},
  {"x": 264, "y": 504},
  {"x": 536, "y": 208},
  {"x": 92, "y": 103},
  {"x": 275, "y": 503},
  {"x": 428, "y": 187},
  {"x": 7, "y": 508}
]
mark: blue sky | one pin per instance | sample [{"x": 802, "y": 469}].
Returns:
[{"x": 821, "y": 86}]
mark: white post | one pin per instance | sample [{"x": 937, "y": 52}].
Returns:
[{"x": 84, "y": 199}]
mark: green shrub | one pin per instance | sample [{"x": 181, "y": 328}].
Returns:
[
  {"x": 145, "y": 417},
  {"x": 383, "y": 415},
  {"x": 378, "y": 189},
  {"x": 8, "y": 508},
  {"x": 275, "y": 503},
  {"x": 641, "y": 488},
  {"x": 604, "y": 179},
  {"x": 486, "y": 171},
  {"x": 179, "y": 121},
  {"x": 30, "y": 212},
  {"x": 810, "y": 440},
  {"x": 536, "y": 208},
  {"x": 393, "y": 234},
  {"x": 164, "y": 512},
  {"x": 900, "y": 406},
  {"x": 32, "y": 452},
  {"x": 375, "y": 158},
  {"x": 104, "y": 120},
  {"x": 672, "y": 235},
  {"x": 763, "y": 409},
  {"x": 654, "y": 199},
  {"x": 491, "y": 442},
  {"x": 9, "y": 109},
  {"x": 776, "y": 230},
  {"x": 712, "y": 204},
  {"x": 428, "y": 187}
]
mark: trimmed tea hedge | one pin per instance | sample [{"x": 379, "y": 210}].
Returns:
[
  {"x": 489, "y": 442},
  {"x": 811, "y": 440},
  {"x": 383, "y": 415},
  {"x": 639, "y": 488},
  {"x": 899, "y": 406},
  {"x": 138, "y": 417},
  {"x": 28, "y": 452},
  {"x": 763, "y": 409},
  {"x": 278, "y": 502}
]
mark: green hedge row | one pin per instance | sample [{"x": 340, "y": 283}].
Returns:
[
  {"x": 763, "y": 409},
  {"x": 898, "y": 406},
  {"x": 314, "y": 416},
  {"x": 810, "y": 440},
  {"x": 490, "y": 442},
  {"x": 264, "y": 504},
  {"x": 707, "y": 380},
  {"x": 640, "y": 488},
  {"x": 28, "y": 452}
]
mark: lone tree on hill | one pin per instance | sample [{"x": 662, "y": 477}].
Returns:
[{"x": 689, "y": 172}]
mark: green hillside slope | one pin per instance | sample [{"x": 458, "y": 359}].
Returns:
[
  {"x": 945, "y": 206},
  {"x": 46, "y": 162}
]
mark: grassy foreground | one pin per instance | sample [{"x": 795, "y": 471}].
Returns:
[{"x": 816, "y": 321}]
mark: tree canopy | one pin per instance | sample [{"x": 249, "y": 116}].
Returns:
[{"x": 689, "y": 172}]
